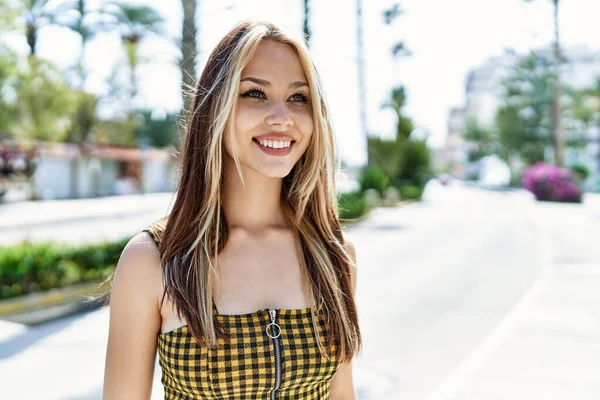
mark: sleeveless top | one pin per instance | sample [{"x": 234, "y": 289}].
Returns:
[{"x": 270, "y": 354}]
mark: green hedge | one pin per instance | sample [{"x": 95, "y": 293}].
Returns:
[
  {"x": 411, "y": 192},
  {"x": 29, "y": 268},
  {"x": 351, "y": 205}
]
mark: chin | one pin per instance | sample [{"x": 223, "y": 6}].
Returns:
[{"x": 275, "y": 172}]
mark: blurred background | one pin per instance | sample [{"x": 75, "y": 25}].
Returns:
[{"x": 469, "y": 149}]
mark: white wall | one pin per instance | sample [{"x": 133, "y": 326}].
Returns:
[{"x": 52, "y": 178}]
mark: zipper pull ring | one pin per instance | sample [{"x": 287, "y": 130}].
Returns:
[{"x": 273, "y": 330}]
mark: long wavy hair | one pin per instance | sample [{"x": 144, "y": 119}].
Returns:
[{"x": 195, "y": 232}]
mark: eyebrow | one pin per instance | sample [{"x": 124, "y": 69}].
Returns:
[{"x": 263, "y": 82}]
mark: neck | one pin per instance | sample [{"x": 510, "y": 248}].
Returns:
[{"x": 255, "y": 206}]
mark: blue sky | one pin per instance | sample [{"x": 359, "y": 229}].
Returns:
[{"x": 447, "y": 38}]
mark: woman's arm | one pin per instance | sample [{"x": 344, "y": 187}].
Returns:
[
  {"x": 342, "y": 387},
  {"x": 134, "y": 322}
]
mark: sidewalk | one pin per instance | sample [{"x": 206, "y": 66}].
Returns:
[
  {"x": 548, "y": 347},
  {"x": 33, "y": 213}
]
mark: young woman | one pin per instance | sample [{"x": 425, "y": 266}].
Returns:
[{"x": 246, "y": 288}]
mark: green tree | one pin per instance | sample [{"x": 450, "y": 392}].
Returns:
[
  {"x": 84, "y": 118},
  {"x": 578, "y": 117},
  {"x": 525, "y": 119},
  {"x": 8, "y": 61},
  {"x": 387, "y": 153},
  {"x": 159, "y": 132},
  {"x": 481, "y": 139},
  {"x": 397, "y": 102},
  {"x": 557, "y": 108},
  {"x": 44, "y": 103},
  {"x": 36, "y": 14},
  {"x": 390, "y": 15},
  {"x": 87, "y": 22},
  {"x": 593, "y": 93},
  {"x": 134, "y": 24},
  {"x": 512, "y": 130},
  {"x": 75, "y": 15},
  {"x": 415, "y": 164}
]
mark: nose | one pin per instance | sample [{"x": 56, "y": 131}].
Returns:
[{"x": 279, "y": 115}]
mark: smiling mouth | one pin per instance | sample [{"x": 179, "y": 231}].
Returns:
[
  {"x": 275, "y": 147},
  {"x": 274, "y": 144}
]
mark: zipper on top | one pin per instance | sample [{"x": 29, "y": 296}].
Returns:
[{"x": 274, "y": 332}]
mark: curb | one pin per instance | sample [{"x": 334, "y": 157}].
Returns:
[{"x": 40, "y": 307}]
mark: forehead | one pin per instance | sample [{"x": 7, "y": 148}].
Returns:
[{"x": 274, "y": 60}]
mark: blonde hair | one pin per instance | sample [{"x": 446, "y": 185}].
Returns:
[{"x": 195, "y": 232}]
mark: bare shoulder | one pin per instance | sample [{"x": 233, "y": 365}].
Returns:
[
  {"x": 138, "y": 269},
  {"x": 134, "y": 321}
]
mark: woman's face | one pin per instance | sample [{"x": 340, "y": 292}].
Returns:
[{"x": 273, "y": 122}]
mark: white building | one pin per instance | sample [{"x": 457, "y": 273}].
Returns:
[{"x": 70, "y": 171}]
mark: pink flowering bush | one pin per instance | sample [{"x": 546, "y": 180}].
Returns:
[{"x": 548, "y": 182}]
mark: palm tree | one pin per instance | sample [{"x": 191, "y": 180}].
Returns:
[
  {"x": 558, "y": 59},
  {"x": 87, "y": 22},
  {"x": 30, "y": 16},
  {"x": 36, "y": 14},
  {"x": 399, "y": 49},
  {"x": 306, "y": 22},
  {"x": 188, "y": 49},
  {"x": 134, "y": 24}
]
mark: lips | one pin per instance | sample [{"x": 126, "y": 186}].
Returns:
[{"x": 275, "y": 152}]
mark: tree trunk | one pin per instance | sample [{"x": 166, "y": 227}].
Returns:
[
  {"x": 558, "y": 135},
  {"x": 306, "y": 22},
  {"x": 131, "y": 47},
  {"x": 361, "y": 71},
  {"x": 84, "y": 38},
  {"x": 188, "y": 50},
  {"x": 31, "y": 39}
]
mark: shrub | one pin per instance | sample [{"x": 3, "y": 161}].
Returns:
[
  {"x": 411, "y": 192},
  {"x": 28, "y": 267},
  {"x": 373, "y": 177},
  {"x": 548, "y": 182},
  {"x": 351, "y": 205},
  {"x": 581, "y": 171},
  {"x": 415, "y": 162}
]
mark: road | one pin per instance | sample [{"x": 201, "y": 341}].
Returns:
[{"x": 443, "y": 286}]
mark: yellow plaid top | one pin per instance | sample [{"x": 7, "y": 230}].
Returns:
[
  {"x": 250, "y": 365},
  {"x": 245, "y": 366}
]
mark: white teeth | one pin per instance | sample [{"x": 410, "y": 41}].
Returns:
[{"x": 276, "y": 144}]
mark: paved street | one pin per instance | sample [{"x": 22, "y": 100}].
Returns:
[
  {"x": 468, "y": 295},
  {"x": 81, "y": 221}
]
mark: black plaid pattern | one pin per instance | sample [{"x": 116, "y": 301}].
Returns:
[{"x": 244, "y": 367}]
